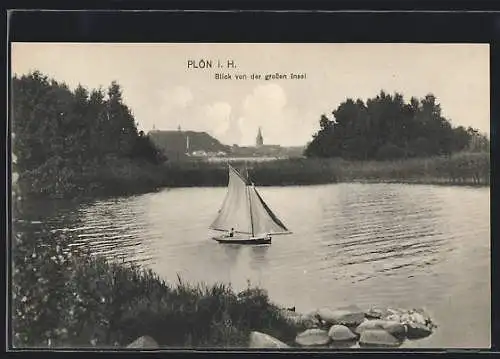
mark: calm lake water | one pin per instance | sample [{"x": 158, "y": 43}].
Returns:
[{"x": 367, "y": 244}]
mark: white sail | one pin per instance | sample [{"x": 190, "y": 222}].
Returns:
[
  {"x": 244, "y": 210},
  {"x": 235, "y": 210},
  {"x": 263, "y": 219}
]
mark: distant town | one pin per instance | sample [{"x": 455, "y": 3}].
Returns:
[{"x": 180, "y": 145}]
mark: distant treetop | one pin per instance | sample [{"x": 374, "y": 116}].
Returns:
[{"x": 388, "y": 128}]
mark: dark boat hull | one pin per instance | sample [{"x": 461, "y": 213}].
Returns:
[{"x": 243, "y": 241}]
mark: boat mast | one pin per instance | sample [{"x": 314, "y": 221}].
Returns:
[{"x": 250, "y": 206}]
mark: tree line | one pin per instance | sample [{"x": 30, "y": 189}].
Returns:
[
  {"x": 388, "y": 128},
  {"x": 62, "y": 137}
]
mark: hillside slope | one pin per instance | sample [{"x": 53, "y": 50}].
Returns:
[{"x": 174, "y": 143}]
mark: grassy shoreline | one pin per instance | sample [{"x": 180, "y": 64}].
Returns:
[
  {"x": 123, "y": 177},
  {"x": 458, "y": 169},
  {"x": 72, "y": 299},
  {"x": 65, "y": 298},
  {"x": 77, "y": 300}
]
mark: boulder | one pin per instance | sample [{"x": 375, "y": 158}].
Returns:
[
  {"x": 418, "y": 318},
  {"x": 341, "y": 333},
  {"x": 309, "y": 323},
  {"x": 376, "y": 313},
  {"x": 144, "y": 342},
  {"x": 326, "y": 315},
  {"x": 379, "y": 338},
  {"x": 347, "y": 317},
  {"x": 313, "y": 337},
  {"x": 405, "y": 318},
  {"x": 346, "y": 344},
  {"x": 301, "y": 320},
  {"x": 398, "y": 311},
  {"x": 261, "y": 340},
  {"x": 395, "y": 328},
  {"x": 393, "y": 318},
  {"x": 417, "y": 331}
]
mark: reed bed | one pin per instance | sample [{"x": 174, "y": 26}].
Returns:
[
  {"x": 461, "y": 168},
  {"x": 125, "y": 177}
]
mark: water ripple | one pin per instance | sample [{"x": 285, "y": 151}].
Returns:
[{"x": 380, "y": 244}]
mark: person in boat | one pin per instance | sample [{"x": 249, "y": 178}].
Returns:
[{"x": 231, "y": 232}]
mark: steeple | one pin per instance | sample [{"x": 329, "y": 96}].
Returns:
[{"x": 259, "y": 140}]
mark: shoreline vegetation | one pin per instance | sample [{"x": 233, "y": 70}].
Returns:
[
  {"x": 125, "y": 177},
  {"x": 81, "y": 144},
  {"x": 466, "y": 168},
  {"x": 75, "y": 299}
]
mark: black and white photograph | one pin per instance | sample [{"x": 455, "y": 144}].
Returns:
[{"x": 287, "y": 196}]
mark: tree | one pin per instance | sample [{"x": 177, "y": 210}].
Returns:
[
  {"x": 387, "y": 127},
  {"x": 61, "y": 133}
]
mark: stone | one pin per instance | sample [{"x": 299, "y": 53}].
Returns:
[
  {"x": 347, "y": 317},
  {"x": 341, "y": 333},
  {"x": 369, "y": 324},
  {"x": 326, "y": 314},
  {"x": 144, "y": 342},
  {"x": 346, "y": 344},
  {"x": 261, "y": 340},
  {"x": 417, "y": 331},
  {"x": 405, "y": 318},
  {"x": 301, "y": 320},
  {"x": 378, "y": 337},
  {"x": 313, "y": 337},
  {"x": 426, "y": 316},
  {"x": 376, "y": 313},
  {"x": 417, "y": 318},
  {"x": 393, "y": 318},
  {"x": 395, "y": 328},
  {"x": 398, "y": 311},
  {"x": 309, "y": 323}
]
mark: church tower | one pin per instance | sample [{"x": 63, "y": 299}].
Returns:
[{"x": 259, "y": 141}]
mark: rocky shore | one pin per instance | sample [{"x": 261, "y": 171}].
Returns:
[{"x": 344, "y": 327}]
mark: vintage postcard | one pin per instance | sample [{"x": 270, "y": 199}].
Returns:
[{"x": 224, "y": 195}]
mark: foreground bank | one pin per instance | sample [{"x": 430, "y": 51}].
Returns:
[
  {"x": 64, "y": 298},
  {"x": 68, "y": 298}
]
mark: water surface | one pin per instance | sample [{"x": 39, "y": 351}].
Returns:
[{"x": 366, "y": 244}]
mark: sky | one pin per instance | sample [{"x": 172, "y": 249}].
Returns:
[{"x": 164, "y": 92}]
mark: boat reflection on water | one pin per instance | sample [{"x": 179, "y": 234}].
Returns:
[
  {"x": 258, "y": 257},
  {"x": 232, "y": 252}
]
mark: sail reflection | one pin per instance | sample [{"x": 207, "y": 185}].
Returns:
[
  {"x": 258, "y": 257},
  {"x": 232, "y": 252}
]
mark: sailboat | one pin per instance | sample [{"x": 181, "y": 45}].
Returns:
[{"x": 245, "y": 213}]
